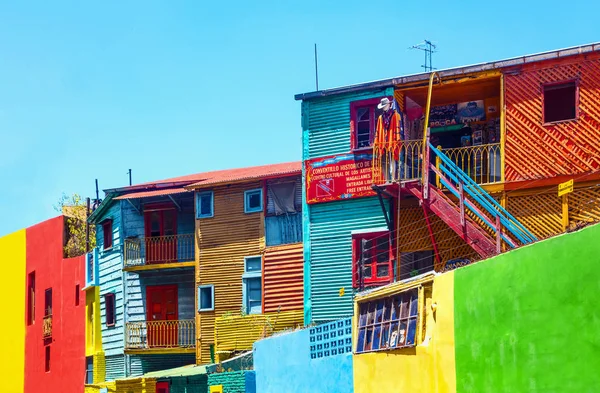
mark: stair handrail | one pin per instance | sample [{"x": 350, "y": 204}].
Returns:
[{"x": 489, "y": 203}]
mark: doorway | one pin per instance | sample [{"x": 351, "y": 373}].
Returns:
[
  {"x": 162, "y": 315},
  {"x": 161, "y": 231}
]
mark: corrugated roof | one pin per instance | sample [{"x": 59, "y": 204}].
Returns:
[
  {"x": 251, "y": 173},
  {"x": 144, "y": 194},
  {"x": 492, "y": 65}
]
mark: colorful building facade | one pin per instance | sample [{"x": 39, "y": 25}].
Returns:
[
  {"x": 249, "y": 265},
  {"x": 451, "y": 180}
]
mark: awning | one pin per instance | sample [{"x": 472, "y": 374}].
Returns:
[{"x": 145, "y": 194}]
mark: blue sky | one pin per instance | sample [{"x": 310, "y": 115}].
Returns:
[{"x": 91, "y": 89}]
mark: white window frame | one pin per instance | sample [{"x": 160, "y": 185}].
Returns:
[
  {"x": 250, "y": 275},
  {"x": 247, "y": 209},
  {"x": 199, "y": 195},
  {"x": 212, "y": 292}
]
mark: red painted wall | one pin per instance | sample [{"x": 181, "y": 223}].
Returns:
[{"x": 67, "y": 345}]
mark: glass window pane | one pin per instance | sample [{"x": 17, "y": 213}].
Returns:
[
  {"x": 371, "y": 313},
  {"x": 401, "y": 334},
  {"x": 362, "y": 320},
  {"x": 368, "y": 273},
  {"x": 206, "y": 297},
  {"x": 396, "y": 307},
  {"x": 362, "y": 114},
  {"x": 385, "y": 335},
  {"x": 369, "y": 339},
  {"x": 412, "y": 329},
  {"x": 404, "y": 307},
  {"x": 155, "y": 224},
  {"x": 361, "y": 340},
  {"x": 383, "y": 270},
  {"x": 253, "y": 264},
  {"x": 387, "y": 309},
  {"x": 394, "y": 335},
  {"x": 379, "y": 312},
  {"x": 414, "y": 302},
  {"x": 253, "y": 200},
  {"x": 206, "y": 204},
  {"x": 169, "y": 225},
  {"x": 376, "y": 337}
]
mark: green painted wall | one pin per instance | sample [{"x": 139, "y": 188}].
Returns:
[
  {"x": 192, "y": 384},
  {"x": 233, "y": 382},
  {"x": 529, "y": 321}
]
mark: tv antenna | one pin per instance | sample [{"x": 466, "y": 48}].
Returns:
[{"x": 429, "y": 48}]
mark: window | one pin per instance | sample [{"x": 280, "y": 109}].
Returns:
[
  {"x": 77, "y": 295},
  {"x": 109, "y": 304},
  {"x": 48, "y": 302},
  {"x": 253, "y": 201},
  {"x": 206, "y": 297},
  {"x": 47, "y": 359},
  {"x": 89, "y": 369},
  {"x": 560, "y": 102},
  {"x": 31, "y": 298},
  {"x": 162, "y": 387},
  {"x": 415, "y": 263},
  {"x": 252, "y": 285},
  {"x": 107, "y": 231},
  {"x": 388, "y": 323},
  {"x": 372, "y": 251},
  {"x": 205, "y": 204},
  {"x": 363, "y": 121}
]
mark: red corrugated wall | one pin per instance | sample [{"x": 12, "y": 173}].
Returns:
[
  {"x": 67, "y": 345},
  {"x": 283, "y": 272},
  {"x": 536, "y": 151}
]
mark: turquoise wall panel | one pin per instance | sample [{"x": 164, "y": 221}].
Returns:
[
  {"x": 283, "y": 229},
  {"x": 115, "y": 367},
  {"x": 141, "y": 364},
  {"x": 193, "y": 384},
  {"x": 331, "y": 226}
]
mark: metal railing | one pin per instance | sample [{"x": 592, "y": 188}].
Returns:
[
  {"x": 47, "y": 326},
  {"x": 397, "y": 161},
  {"x": 481, "y": 163},
  {"x": 160, "y": 334},
  {"x": 159, "y": 249}
]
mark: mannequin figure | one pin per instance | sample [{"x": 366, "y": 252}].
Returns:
[{"x": 389, "y": 134}]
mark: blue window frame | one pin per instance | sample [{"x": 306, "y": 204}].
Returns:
[
  {"x": 252, "y": 285},
  {"x": 205, "y": 204},
  {"x": 253, "y": 201},
  {"x": 206, "y": 297}
]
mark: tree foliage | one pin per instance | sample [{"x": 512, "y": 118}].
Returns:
[{"x": 74, "y": 209}]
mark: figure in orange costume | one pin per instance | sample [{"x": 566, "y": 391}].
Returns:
[{"x": 388, "y": 135}]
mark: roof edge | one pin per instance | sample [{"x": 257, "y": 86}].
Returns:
[{"x": 492, "y": 65}]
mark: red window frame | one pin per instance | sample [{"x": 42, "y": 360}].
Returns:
[
  {"x": 354, "y": 106},
  {"x": 374, "y": 252},
  {"x": 555, "y": 84},
  {"x": 111, "y": 308},
  {"x": 107, "y": 232}
]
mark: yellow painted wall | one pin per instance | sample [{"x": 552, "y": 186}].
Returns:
[
  {"x": 428, "y": 367},
  {"x": 137, "y": 385},
  {"x": 12, "y": 332},
  {"x": 93, "y": 337},
  {"x": 223, "y": 241}
]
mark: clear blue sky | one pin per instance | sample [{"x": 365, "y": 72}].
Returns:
[{"x": 90, "y": 89}]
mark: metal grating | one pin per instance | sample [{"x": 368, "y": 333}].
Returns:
[{"x": 331, "y": 338}]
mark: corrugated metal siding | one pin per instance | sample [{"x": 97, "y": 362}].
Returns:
[
  {"x": 141, "y": 364},
  {"x": 110, "y": 276},
  {"x": 283, "y": 229},
  {"x": 327, "y": 121},
  {"x": 238, "y": 333},
  {"x": 331, "y": 225},
  {"x": 298, "y": 196},
  {"x": 223, "y": 242},
  {"x": 282, "y": 275},
  {"x": 115, "y": 367}
]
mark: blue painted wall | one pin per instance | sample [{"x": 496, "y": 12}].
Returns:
[
  {"x": 110, "y": 263},
  {"x": 283, "y": 364},
  {"x": 327, "y": 226}
]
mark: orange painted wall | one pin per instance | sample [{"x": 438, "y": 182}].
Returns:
[
  {"x": 536, "y": 151},
  {"x": 282, "y": 275}
]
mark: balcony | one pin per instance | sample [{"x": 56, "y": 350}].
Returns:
[
  {"x": 47, "y": 327},
  {"x": 161, "y": 336},
  {"x": 159, "y": 252},
  {"x": 402, "y": 161}
]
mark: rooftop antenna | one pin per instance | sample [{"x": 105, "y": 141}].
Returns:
[
  {"x": 129, "y": 176},
  {"x": 97, "y": 192},
  {"x": 316, "y": 69},
  {"x": 429, "y": 48}
]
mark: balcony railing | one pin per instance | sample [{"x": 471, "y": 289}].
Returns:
[
  {"x": 160, "y": 334},
  {"x": 159, "y": 249},
  {"x": 47, "y": 326},
  {"x": 398, "y": 161}
]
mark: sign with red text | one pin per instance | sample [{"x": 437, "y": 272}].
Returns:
[{"x": 338, "y": 177}]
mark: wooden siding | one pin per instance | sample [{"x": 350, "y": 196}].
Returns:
[
  {"x": 534, "y": 150},
  {"x": 282, "y": 278},
  {"x": 110, "y": 263},
  {"x": 115, "y": 367},
  {"x": 238, "y": 333},
  {"x": 223, "y": 241},
  {"x": 331, "y": 225},
  {"x": 326, "y": 123}
]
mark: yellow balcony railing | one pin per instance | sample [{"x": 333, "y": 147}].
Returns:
[
  {"x": 159, "y": 249},
  {"x": 481, "y": 163},
  {"x": 47, "y": 326},
  {"x": 160, "y": 334},
  {"x": 397, "y": 161}
]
